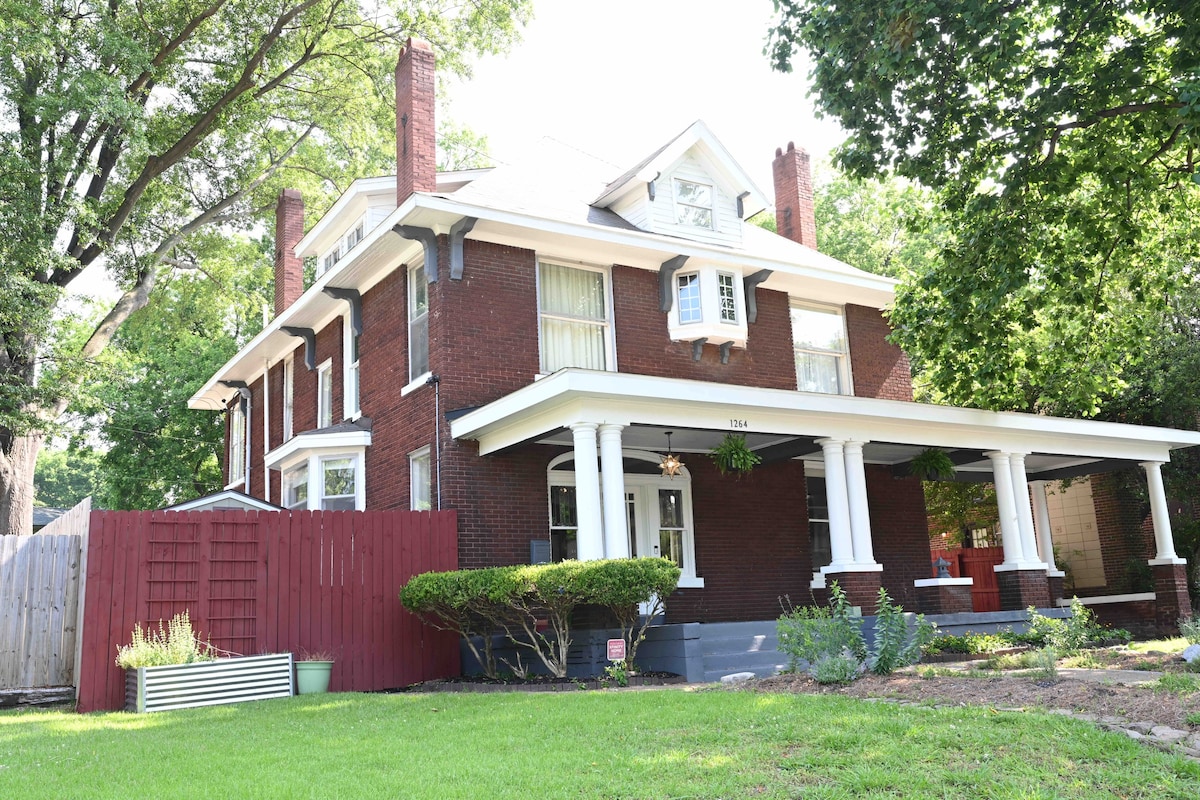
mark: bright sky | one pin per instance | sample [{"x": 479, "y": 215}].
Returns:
[{"x": 619, "y": 78}]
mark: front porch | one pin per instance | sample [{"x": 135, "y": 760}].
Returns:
[{"x": 861, "y": 448}]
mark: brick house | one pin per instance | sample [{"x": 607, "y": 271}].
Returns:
[{"x": 526, "y": 344}]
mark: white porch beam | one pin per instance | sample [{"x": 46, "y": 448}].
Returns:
[
  {"x": 1041, "y": 518},
  {"x": 860, "y": 515},
  {"x": 1020, "y": 489},
  {"x": 841, "y": 543},
  {"x": 612, "y": 478},
  {"x": 589, "y": 536},
  {"x": 1010, "y": 532},
  {"x": 1163, "y": 540}
]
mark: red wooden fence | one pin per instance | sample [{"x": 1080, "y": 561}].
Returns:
[
  {"x": 268, "y": 582},
  {"x": 976, "y": 563}
]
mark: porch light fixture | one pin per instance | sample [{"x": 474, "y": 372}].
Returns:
[{"x": 670, "y": 464}]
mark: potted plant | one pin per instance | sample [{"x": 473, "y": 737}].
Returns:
[
  {"x": 932, "y": 465},
  {"x": 173, "y": 668},
  {"x": 732, "y": 455},
  {"x": 313, "y": 669}
]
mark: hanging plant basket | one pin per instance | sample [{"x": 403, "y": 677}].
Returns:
[
  {"x": 932, "y": 465},
  {"x": 733, "y": 456}
]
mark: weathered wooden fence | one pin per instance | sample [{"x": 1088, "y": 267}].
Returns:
[
  {"x": 264, "y": 582},
  {"x": 977, "y": 563},
  {"x": 39, "y": 610}
]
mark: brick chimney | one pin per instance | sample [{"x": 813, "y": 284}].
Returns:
[
  {"x": 416, "y": 128},
  {"x": 289, "y": 229},
  {"x": 794, "y": 216}
]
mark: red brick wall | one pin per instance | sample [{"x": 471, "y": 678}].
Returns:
[
  {"x": 880, "y": 368},
  {"x": 289, "y": 230},
  {"x": 1125, "y": 543},
  {"x": 899, "y": 533},
  {"x": 644, "y": 346},
  {"x": 794, "y": 214},
  {"x": 751, "y": 543},
  {"x": 416, "y": 130}
]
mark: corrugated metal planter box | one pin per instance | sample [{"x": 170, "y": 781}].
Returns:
[{"x": 208, "y": 683}]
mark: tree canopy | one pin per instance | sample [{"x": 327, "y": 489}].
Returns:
[
  {"x": 130, "y": 130},
  {"x": 1062, "y": 140}
]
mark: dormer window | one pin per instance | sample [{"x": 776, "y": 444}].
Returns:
[
  {"x": 342, "y": 246},
  {"x": 693, "y": 204},
  {"x": 688, "y": 287},
  {"x": 331, "y": 258}
]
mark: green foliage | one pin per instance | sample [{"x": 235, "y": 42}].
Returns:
[
  {"x": 955, "y": 508},
  {"x": 1044, "y": 663},
  {"x": 932, "y": 464},
  {"x": 732, "y": 455},
  {"x": 810, "y": 634},
  {"x": 64, "y": 477},
  {"x": 895, "y": 645},
  {"x": 1060, "y": 140},
  {"x": 177, "y": 643},
  {"x": 968, "y": 643},
  {"x": 836, "y": 668},
  {"x": 1068, "y": 635},
  {"x": 1177, "y": 684},
  {"x": 1189, "y": 628},
  {"x": 618, "y": 672},
  {"x": 517, "y": 599}
]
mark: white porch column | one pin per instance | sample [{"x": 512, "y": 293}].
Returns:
[
  {"x": 1041, "y": 518},
  {"x": 841, "y": 545},
  {"x": 1020, "y": 489},
  {"x": 612, "y": 478},
  {"x": 856, "y": 492},
  {"x": 1010, "y": 533},
  {"x": 589, "y": 537},
  {"x": 1164, "y": 542}
]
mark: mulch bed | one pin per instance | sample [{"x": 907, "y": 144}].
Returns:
[{"x": 541, "y": 683}]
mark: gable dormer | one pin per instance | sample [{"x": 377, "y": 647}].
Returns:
[{"x": 691, "y": 188}]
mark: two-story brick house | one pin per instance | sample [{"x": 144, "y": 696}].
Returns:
[{"x": 527, "y": 344}]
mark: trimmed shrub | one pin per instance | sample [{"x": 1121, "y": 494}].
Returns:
[{"x": 533, "y": 604}]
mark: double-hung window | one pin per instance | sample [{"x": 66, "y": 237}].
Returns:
[
  {"x": 338, "y": 483},
  {"x": 325, "y": 395},
  {"x": 289, "y": 394},
  {"x": 573, "y": 312},
  {"x": 819, "y": 342},
  {"x": 688, "y": 295},
  {"x": 295, "y": 487},
  {"x": 418, "y": 323},
  {"x": 727, "y": 297},
  {"x": 420, "y": 480},
  {"x": 693, "y": 203},
  {"x": 350, "y": 406},
  {"x": 237, "y": 443}
]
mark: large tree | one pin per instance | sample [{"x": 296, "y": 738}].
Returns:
[
  {"x": 129, "y": 129},
  {"x": 1063, "y": 141}
]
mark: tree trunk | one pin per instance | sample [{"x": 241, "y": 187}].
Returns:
[{"x": 16, "y": 484}]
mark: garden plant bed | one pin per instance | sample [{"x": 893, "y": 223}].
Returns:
[{"x": 541, "y": 683}]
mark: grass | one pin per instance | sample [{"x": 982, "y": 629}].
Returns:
[{"x": 654, "y": 744}]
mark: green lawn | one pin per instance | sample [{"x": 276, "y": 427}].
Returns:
[{"x": 651, "y": 744}]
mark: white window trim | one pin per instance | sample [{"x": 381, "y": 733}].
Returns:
[
  {"x": 239, "y": 442},
  {"x": 711, "y": 325},
  {"x": 610, "y": 349},
  {"x": 688, "y": 579},
  {"x": 416, "y": 455},
  {"x": 314, "y": 458},
  {"x": 696, "y": 284},
  {"x": 845, "y": 373},
  {"x": 735, "y": 281},
  {"x": 351, "y": 376},
  {"x": 324, "y": 373},
  {"x": 410, "y": 280},
  {"x": 711, "y": 208},
  {"x": 288, "y": 417}
]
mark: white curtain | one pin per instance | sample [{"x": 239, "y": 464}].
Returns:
[{"x": 574, "y": 316}]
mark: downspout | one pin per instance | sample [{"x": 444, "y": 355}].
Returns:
[{"x": 437, "y": 433}]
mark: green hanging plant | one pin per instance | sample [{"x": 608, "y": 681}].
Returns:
[
  {"x": 932, "y": 465},
  {"x": 732, "y": 455}
]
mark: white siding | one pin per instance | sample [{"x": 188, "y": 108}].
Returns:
[{"x": 634, "y": 208}]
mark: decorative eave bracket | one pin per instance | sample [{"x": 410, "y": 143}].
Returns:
[
  {"x": 310, "y": 343},
  {"x": 352, "y": 297},
  {"x": 750, "y": 283},
  {"x": 428, "y": 240},
  {"x": 698, "y": 347},
  {"x": 458, "y": 234},
  {"x": 242, "y": 389},
  {"x": 666, "y": 293}
]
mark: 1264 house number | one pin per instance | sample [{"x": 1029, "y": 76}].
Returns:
[{"x": 738, "y": 424}]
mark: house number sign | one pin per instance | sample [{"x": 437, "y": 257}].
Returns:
[{"x": 738, "y": 424}]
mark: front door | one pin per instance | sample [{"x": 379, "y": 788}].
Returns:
[{"x": 657, "y": 520}]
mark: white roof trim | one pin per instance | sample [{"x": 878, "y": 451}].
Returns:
[
  {"x": 225, "y": 494},
  {"x": 575, "y": 395},
  {"x": 316, "y": 441},
  {"x": 359, "y": 188}
]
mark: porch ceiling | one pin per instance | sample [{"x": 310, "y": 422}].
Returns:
[{"x": 781, "y": 424}]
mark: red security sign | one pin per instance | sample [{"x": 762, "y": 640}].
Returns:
[{"x": 616, "y": 649}]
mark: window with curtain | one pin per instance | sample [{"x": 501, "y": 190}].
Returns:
[
  {"x": 325, "y": 395},
  {"x": 573, "y": 313},
  {"x": 418, "y": 323},
  {"x": 237, "y": 443},
  {"x": 819, "y": 341},
  {"x": 420, "y": 480},
  {"x": 289, "y": 394},
  {"x": 349, "y": 369}
]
